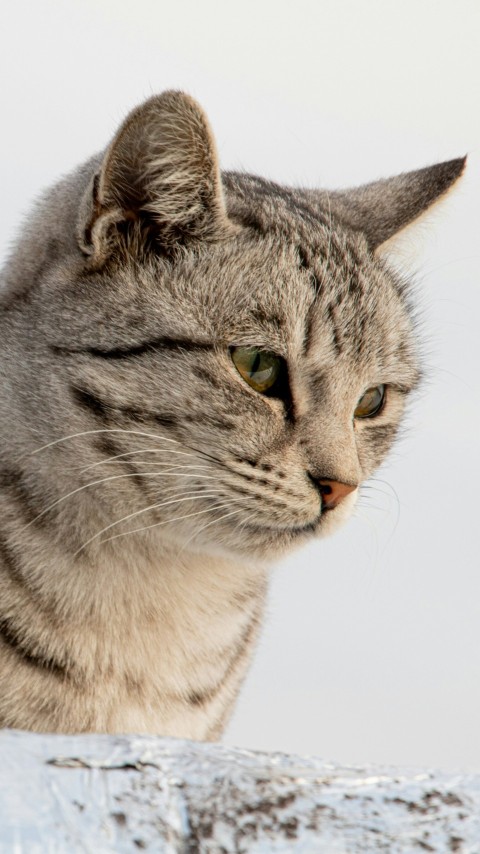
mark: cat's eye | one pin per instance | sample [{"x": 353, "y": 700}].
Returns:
[
  {"x": 371, "y": 402},
  {"x": 259, "y": 368}
]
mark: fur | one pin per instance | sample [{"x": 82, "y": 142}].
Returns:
[{"x": 145, "y": 487}]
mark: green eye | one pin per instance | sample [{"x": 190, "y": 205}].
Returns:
[
  {"x": 371, "y": 402},
  {"x": 259, "y": 368}
]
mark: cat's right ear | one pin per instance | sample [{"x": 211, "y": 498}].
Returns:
[{"x": 159, "y": 182}]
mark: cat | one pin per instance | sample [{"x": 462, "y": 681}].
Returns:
[{"x": 199, "y": 370}]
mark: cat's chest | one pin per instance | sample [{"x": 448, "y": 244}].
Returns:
[{"x": 173, "y": 654}]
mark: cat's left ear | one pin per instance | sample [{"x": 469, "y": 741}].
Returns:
[
  {"x": 159, "y": 180},
  {"x": 383, "y": 208}
]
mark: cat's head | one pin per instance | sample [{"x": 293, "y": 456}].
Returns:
[{"x": 241, "y": 351}]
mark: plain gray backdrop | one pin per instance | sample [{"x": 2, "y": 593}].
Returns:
[{"x": 371, "y": 649}]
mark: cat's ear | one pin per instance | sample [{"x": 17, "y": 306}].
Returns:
[
  {"x": 383, "y": 208},
  {"x": 159, "y": 180}
]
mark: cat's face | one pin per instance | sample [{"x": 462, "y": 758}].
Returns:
[
  {"x": 236, "y": 465},
  {"x": 186, "y": 293}
]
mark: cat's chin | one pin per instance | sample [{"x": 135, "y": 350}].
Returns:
[
  {"x": 271, "y": 543},
  {"x": 265, "y": 543}
]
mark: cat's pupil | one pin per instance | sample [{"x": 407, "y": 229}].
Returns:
[{"x": 256, "y": 363}]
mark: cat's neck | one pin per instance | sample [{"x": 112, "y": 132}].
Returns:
[
  {"x": 160, "y": 636},
  {"x": 135, "y": 579}
]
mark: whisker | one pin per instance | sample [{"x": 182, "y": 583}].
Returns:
[
  {"x": 372, "y": 506},
  {"x": 141, "y": 451},
  {"x": 202, "y": 528},
  {"x": 171, "y": 466},
  {"x": 393, "y": 491},
  {"x": 186, "y": 496},
  {"x": 175, "y": 519},
  {"x": 393, "y": 495},
  {"x": 110, "y": 478},
  {"x": 128, "y": 432},
  {"x": 103, "y": 430}
]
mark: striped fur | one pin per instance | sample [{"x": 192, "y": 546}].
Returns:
[{"x": 145, "y": 488}]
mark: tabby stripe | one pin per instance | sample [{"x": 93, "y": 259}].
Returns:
[
  {"x": 89, "y": 401},
  {"x": 240, "y": 650},
  {"x": 164, "y": 343},
  {"x": 101, "y": 408},
  {"x": 335, "y": 336},
  {"x": 305, "y": 265},
  {"x": 11, "y": 638},
  {"x": 12, "y": 481},
  {"x": 10, "y": 561},
  {"x": 266, "y": 189},
  {"x": 106, "y": 445}
]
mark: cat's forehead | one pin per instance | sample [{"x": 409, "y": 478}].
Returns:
[{"x": 294, "y": 285}]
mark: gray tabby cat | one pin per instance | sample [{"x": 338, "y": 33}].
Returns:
[{"x": 198, "y": 372}]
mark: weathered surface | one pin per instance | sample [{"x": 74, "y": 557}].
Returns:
[{"x": 127, "y": 794}]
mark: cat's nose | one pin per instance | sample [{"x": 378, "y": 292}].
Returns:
[{"x": 333, "y": 492}]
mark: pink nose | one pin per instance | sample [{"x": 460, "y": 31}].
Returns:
[{"x": 334, "y": 492}]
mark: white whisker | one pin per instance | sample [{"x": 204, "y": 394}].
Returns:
[
  {"x": 392, "y": 495},
  {"x": 203, "y": 527},
  {"x": 365, "y": 518},
  {"x": 171, "y": 466},
  {"x": 141, "y": 451},
  {"x": 169, "y": 521},
  {"x": 115, "y": 477},
  {"x": 129, "y": 432},
  {"x": 103, "y": 430},
  {"x": 187, "y": 496}
]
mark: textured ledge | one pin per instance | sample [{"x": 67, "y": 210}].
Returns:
[{"x": 101, "y": 794}]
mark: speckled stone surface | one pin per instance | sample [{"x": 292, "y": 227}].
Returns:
[{"x": 98, "y": 793}]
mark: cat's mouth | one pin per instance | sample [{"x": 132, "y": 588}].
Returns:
[
  {"x": 295, "y": 530},
  {"x": 270, "y": 539}
]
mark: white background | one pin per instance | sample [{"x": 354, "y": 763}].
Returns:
[{"x": 372, "y": 645}]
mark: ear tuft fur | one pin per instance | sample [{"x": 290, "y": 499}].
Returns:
[{"x": 160, "y": 177}]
